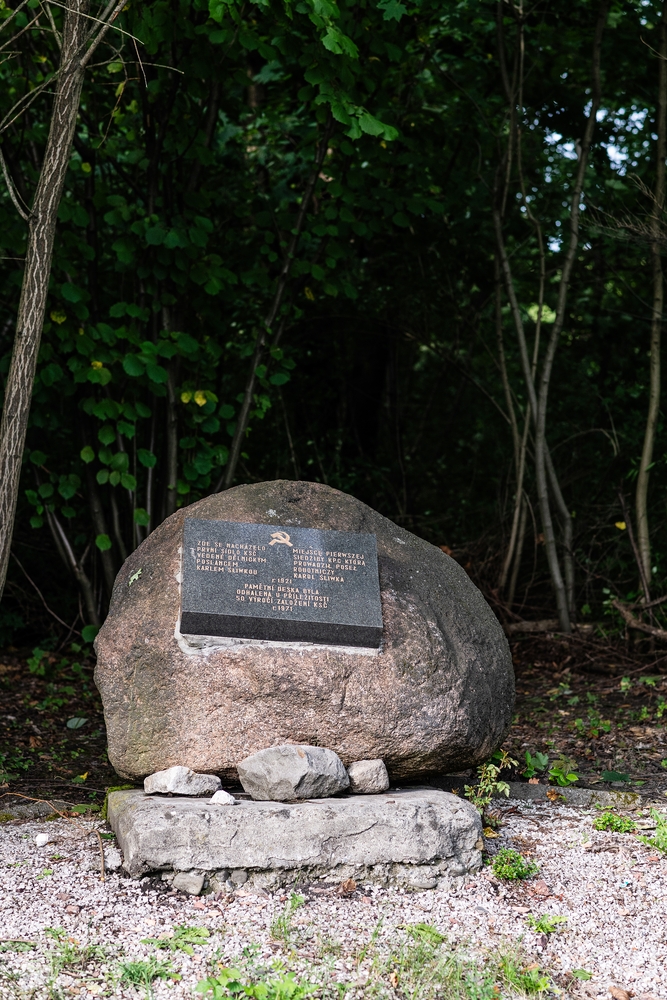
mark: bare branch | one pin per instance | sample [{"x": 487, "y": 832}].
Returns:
[
  {"x": 629, "y": 619},
  {"x": 12, "y": 190}
]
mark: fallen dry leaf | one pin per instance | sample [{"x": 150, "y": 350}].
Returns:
[
  {"x": 540, "y": 888},
  {"x": 346, "y": 887},
  {"x": 393, "y": 979},
  {"x": 488, "y": 832},
  {"x": 553, "y": 795},
  {"x": 533, "y": 781},
  {"x": 619, "y": 994}
]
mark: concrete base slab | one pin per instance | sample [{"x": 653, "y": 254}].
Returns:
[{"x": 413, "y": 826}]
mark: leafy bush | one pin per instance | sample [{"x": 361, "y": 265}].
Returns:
[
  {"x": 509, "y": 864},
  {"x": 614, "y": 824}
]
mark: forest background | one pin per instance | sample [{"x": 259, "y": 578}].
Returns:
[{"x": 410, "y": 250}]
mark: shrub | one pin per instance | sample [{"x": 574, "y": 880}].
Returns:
[{"x": 509, "y": 864}]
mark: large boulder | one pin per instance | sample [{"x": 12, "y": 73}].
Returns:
[{"x": 436, "y": 697}]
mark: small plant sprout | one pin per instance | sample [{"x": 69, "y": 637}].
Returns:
[
  {"x": 144, "y": 972},
  {"x": 281, "y": 928},
  {"x": 488, "y": 784},
  {"x": 534, "y": 763},
  {"x": 183, "y": 939},
  {"x": 562, "y": 772},
  {"x": 509, "y": 864},
  {"x": 546, "y": 924},
  {"x": 658, "y": 841},
  {"x": 612, "y": 823}
]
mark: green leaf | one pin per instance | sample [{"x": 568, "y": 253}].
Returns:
[
  {"x": 133, "y": 366},
  {"x": 102, "y": 476},
  {"x": 156, "y": 373},
  {"x": 146, "y": 457},
  {"x": 106, "y": 434},
  {"x": 71, "y": 292},
  {"x": 581, "y": 974},
  {"x": 37, "y": 457},
  {"x": 370, "y": 125},
  {"x": 141, "y": 517},
  {"x": 280, "y": 378},
  {"x": 87, "y": 454},
  {"x": 88, "y": 632},
  {"x": 393, "y": 10},
  {"x": 128, "y": 481},
  {"x": 103, "y": 543},
  {"x": 77, "y": 722},
  {"x": 45, "y": 490}
]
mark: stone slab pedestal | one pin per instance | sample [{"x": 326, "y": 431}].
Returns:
[{"x": 413, "y": 826}]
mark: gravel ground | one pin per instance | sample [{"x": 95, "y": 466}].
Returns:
[{"x": 611, "y": 888}]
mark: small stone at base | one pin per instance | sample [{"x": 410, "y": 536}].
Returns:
[
  {"x": 190, "y": 882},
  {"x": 222, "y": 798},
  {"x": 368, "y": 777},
  {"x": 181, "y": 781}
]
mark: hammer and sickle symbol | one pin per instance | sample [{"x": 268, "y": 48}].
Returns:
[{"x": 280, "y": 538}]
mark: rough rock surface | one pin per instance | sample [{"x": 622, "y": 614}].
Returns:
[
  {"x": 368, "y": 777},
  {"x": 437, "y": 696},
  {"x": 411, "y": 826},
  {"x": 181, "y": 781},
  {"x": 291, "y": 772}
]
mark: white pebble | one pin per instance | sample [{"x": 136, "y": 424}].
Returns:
[
  {"x": 222, "y": 798},
  {"x": 42, "y": 839}
]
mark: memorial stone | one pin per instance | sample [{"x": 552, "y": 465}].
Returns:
[
  {"x": 267, "y": 581},
  {"x": 434, "y": 694}
]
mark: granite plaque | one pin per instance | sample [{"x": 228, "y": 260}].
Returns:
[{"x": 266, "y": 581}]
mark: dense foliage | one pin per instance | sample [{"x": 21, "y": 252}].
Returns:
[{"x": 382, "y": 373}]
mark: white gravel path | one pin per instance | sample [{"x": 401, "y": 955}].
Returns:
[{"x": 611, "y": 888}]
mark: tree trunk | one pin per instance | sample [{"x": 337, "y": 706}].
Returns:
[
  {"x": 641, "y": 496},
  {"x": 39, "y": 253},
  {"x": 172, "y": 445}
]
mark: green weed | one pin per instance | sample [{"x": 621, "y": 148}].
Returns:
[
  {"x": 658, "y": 840},
  {"x": 546, "y": 924},
  {"x": 562, "y": 772},
  {"x": 615, "y": 776},
  {"x": 183, "y": 939},
  {"x": 66, "y": 952},
  {"x": 144, "y": 972},
  {"x": 229, "y": 983},
  {"x": 614, "y": 824},
  {"x": 488, "y": 784},
  {"x": 509, "y": 864},
  {"x": 523, "y": 979},
  {"x": 534, "y": 763},
  {"x": 281, "y": 928}
]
